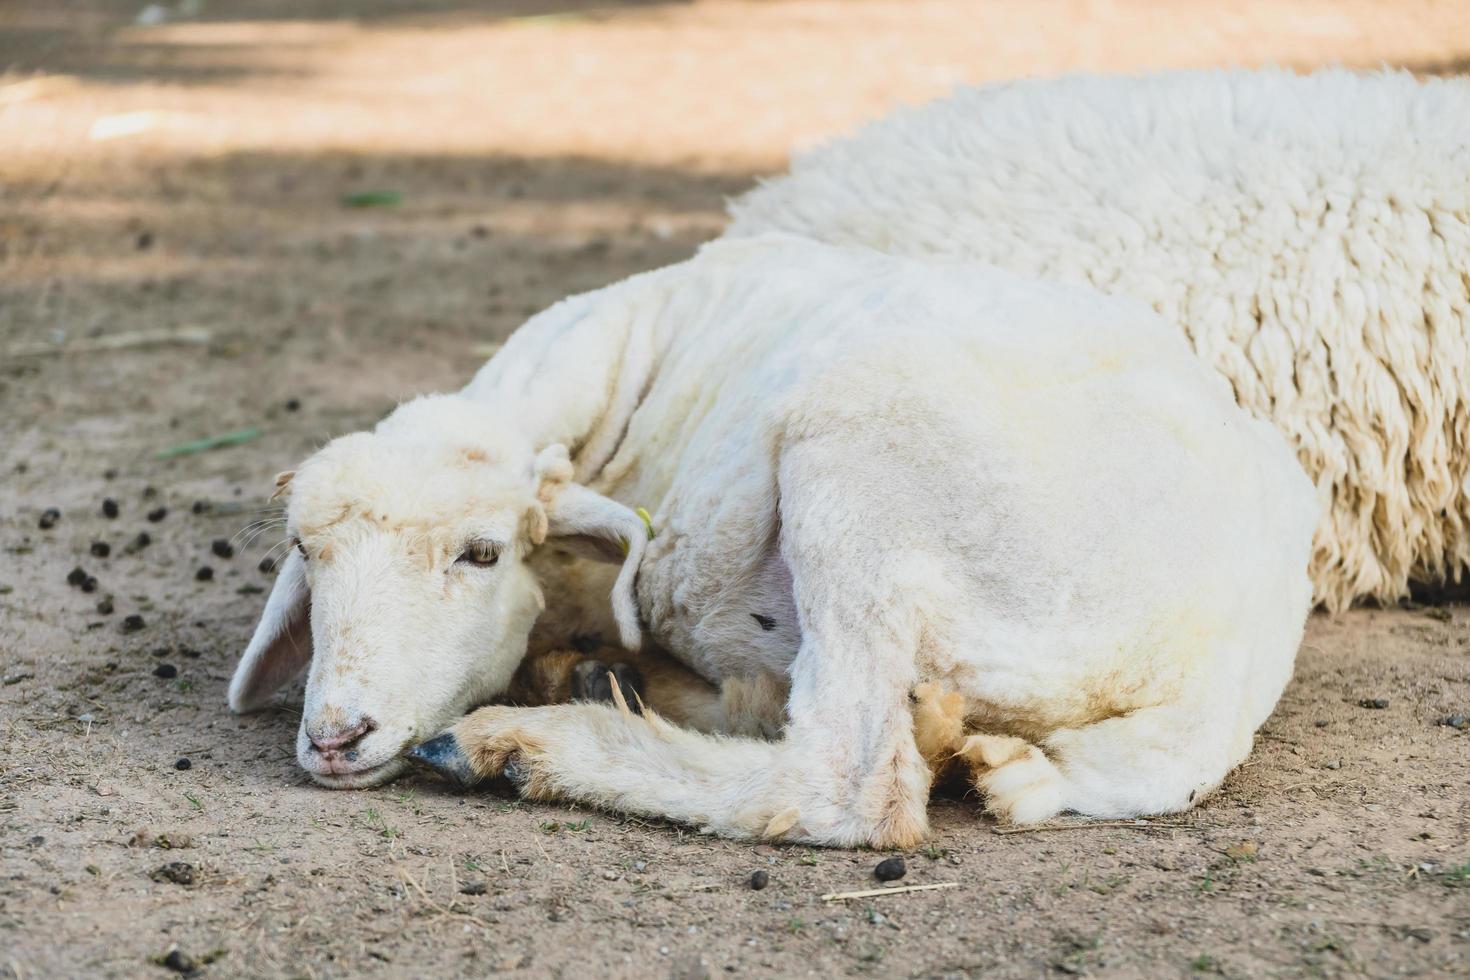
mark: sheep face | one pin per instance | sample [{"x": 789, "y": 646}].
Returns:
[
  {"x": 407, "y": 586},
  {"x": 421, "y": 600}
]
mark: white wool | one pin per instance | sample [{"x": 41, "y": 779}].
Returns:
[{"x": 1310, "y": 235}]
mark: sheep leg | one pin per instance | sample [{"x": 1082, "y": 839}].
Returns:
[
  {"x": 1020, "y": 784},
  {"x": 608, "y": 756},
  {"x": 846, "y": 772},
  {"x": 1160, "y": 759}
]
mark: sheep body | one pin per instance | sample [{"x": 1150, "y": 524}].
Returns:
[
  {"x": 1311, "y": 236},
  {"x": 869, "y": 472}
]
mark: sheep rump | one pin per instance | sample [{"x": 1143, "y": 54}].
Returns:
[{"x": 1310, "y": 234}]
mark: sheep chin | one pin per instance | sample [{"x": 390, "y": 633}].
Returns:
[{"x": 364, "y": 779}]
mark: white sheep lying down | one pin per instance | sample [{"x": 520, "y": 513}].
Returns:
[
  {"x": 1310, "y": 235},
  {"x": 867, "y": 474}
]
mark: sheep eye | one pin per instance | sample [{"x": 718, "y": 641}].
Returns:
[{"x": 481, "y": 554}]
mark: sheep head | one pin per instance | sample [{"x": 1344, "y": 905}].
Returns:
[{"x": 408, "y": 586}]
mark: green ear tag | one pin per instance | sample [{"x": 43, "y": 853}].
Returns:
[{"x": 647, "y": 522}]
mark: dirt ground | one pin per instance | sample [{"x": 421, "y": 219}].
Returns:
[{"x": 192, "y": 175}]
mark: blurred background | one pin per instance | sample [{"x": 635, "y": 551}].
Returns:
[{"x": 359, "y": 178}]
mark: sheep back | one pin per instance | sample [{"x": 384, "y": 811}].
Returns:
[{"x": 1310, "y": 234}]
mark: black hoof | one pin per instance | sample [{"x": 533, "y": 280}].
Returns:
[
  {"x": 443, "y": 755},
  {"x": 590, "y": 683},
  {"x": 592, "y": 680}
]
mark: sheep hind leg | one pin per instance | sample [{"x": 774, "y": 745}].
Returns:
[
  {"x": 1159, "y": 759},
  {"x": 1020, "y": 784}
]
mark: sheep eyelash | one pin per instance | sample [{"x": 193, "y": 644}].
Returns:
[{"x": 479, "y": 554}]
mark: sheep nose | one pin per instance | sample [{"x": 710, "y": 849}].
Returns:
[{"x": 341, "y": 739}]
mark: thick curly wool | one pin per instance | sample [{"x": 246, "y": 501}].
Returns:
[{"x": 1311, "y": 234}]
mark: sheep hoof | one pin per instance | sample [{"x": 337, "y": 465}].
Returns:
[
  {"x": 592, "y": 680},
  {"x": 444, "y": 755}
]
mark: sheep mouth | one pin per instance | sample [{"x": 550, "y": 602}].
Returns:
[{"x": 365, "y": 778}]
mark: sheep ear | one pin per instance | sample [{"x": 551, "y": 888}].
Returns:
[
  {"x": 281, "y": 645},
  {"x": 283, "y": 483},
  {"x": 591, "y": 525}
]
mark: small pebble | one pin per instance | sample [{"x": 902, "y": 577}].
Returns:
[
  {"x": 222, "y": 548},
  {"x": 890, "y": 869},
  {"x": 190, "y": 652},
  {"x": 293, "y": 404},
  {"x": 133, "y": 623},
  {"x": 89, "y": 584},
  {"x": 183, "y": 765},
  {"x": 472, "y": 888},
  {"x": 204, "y": 574},
  {"x": 1462, "y": 722},
  {"x": 49, "y": 517},
  {"x": 144, "y": 241},
  {"x": 200, "y": 507},
  {"x": 759, "y": 879},
  {"x": 178, "y": 872},
  {"x": 76, "y": 576},
  {"x": 101, "y": 549},
  {"x": 109, "y": 508},
  {"x": 1376, "y": 704},
  {"x": 166, "y": 671},
  {"x": 105, "y": 606},
  {"x": 137, "y": 544},
  {"x": 180, "y": 962},
  {"x": 109, "y": 474},
  {"x": 157, "y": 514},
  {"x": 267, "y": 565}
]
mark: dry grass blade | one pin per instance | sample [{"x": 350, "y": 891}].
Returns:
[
  {"x": 1096, "y": 825},
  {"x": 901, "y": 889},
  {"x": 196, "y": 336}
]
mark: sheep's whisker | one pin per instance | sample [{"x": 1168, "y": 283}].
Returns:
[{"x": 246, "y": 536}]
